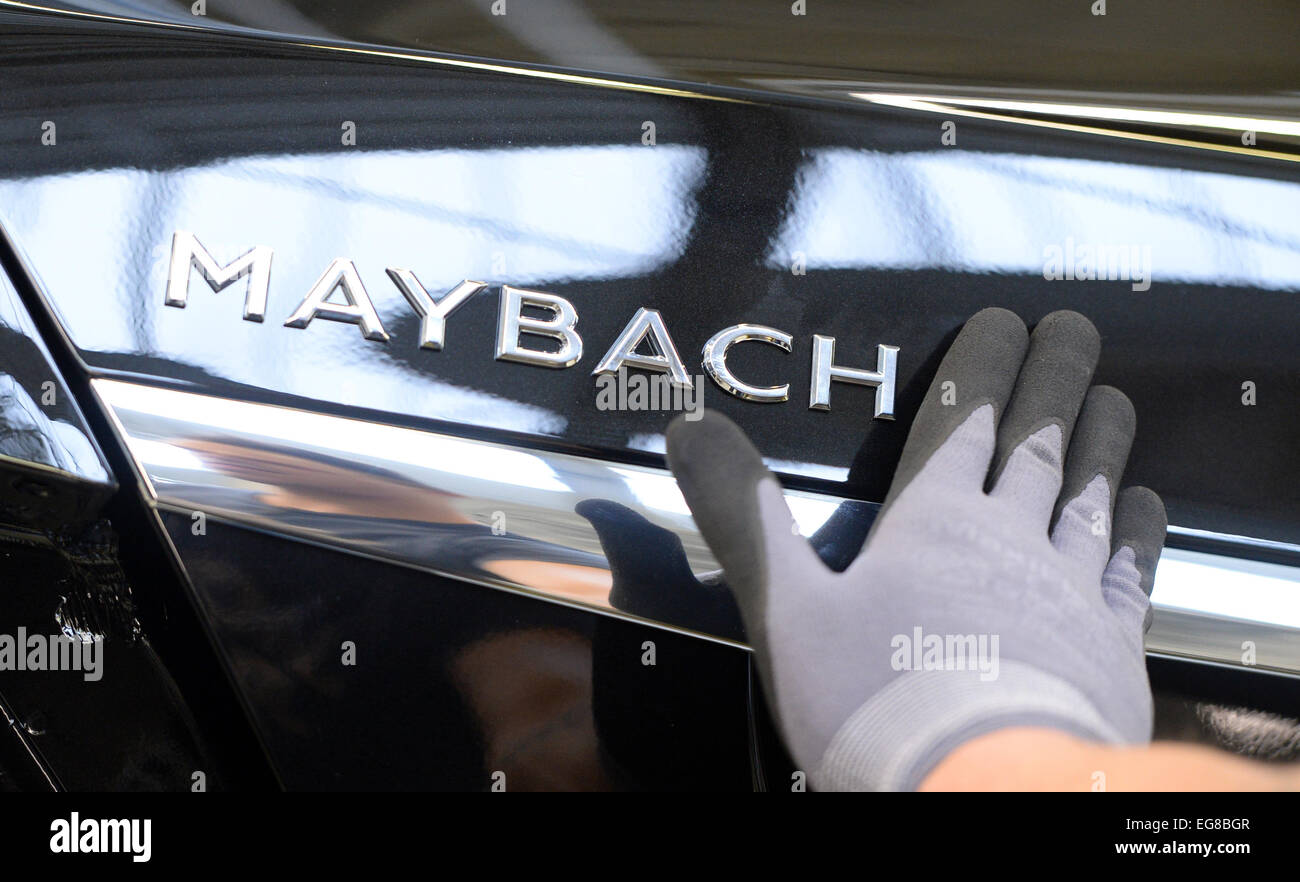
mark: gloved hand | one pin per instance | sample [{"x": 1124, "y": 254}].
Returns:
[{"x": 992, "y": 538}]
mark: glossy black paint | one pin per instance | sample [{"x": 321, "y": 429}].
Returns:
[
  {"x": 60, "y": 574},
  {"x": 1188, "y": 54},
  {"x": 86, "y": 557},
  {"x": 52, "y": 473},
  {"x": 552, "y": 188},
  {"x": 451, "y": 682},
  {"x": 122, "y": 726},
  {"x": 517, "y": 180}
]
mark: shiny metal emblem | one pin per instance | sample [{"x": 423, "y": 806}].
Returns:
[{"x": 646, "y": 329}]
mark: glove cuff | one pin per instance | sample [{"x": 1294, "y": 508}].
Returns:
[{"x": 902, "y": 732}]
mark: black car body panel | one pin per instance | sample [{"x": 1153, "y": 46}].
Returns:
[
  {"x": 516, "y": 180},
  {"x": 777, "y": 208}
]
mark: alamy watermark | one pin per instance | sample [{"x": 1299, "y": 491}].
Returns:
[
  {"x": 52, "y": 652},
  {"x": 946, "y": 652},
  {"x": 78, "y": 835},
  {"x": 624, "y": 391},
  {"x": 1098, "y": 261}
]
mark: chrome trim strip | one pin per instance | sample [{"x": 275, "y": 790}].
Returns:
[
  {"x": 1101, "y": 120},
  {"x": 431, "y": 501},
  {"x": 1250, "y": 542}
]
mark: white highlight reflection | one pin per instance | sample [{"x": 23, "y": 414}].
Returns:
[
  {"x": 998, "y": 212},
  {"x": 1229, "y": 587},
  {"x": 530, "y": 217}
]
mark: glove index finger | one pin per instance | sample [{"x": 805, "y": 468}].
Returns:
[
  {"x": 738, "y": 507},
  {"x": 979, "y": 369}
]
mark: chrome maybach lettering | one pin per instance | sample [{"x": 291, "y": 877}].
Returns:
[
  {"x": 511, "y": 322},
  {"x": 715, "y": 361},
  {"x": 647, "y": 326},
  {"x": 646, "y": 329}
]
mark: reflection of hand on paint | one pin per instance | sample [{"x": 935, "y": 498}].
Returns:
[{"x": 653, "y": 579}]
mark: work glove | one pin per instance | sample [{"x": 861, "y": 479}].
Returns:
[{"x": 1001, "y": 538}]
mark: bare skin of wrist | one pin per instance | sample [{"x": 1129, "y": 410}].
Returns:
[{"x": 1045, "y": 759}]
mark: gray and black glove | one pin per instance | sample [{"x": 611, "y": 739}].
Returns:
[{"x": 995, "y": 588}]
